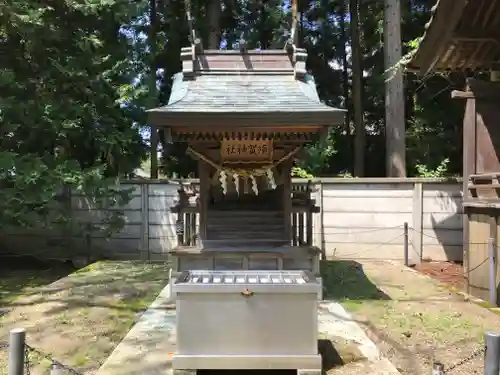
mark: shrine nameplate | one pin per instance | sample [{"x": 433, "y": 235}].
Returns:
[{"x": 237, "y": 151}]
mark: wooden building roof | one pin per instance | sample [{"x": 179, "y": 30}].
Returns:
[
  {"x": 461, "y": 35},
  {"x": 269, "y": 87}
]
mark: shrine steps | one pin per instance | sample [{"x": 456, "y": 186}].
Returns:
[
  {"x": 245, "y": 213},
  {"x": 244, "y": 228}
]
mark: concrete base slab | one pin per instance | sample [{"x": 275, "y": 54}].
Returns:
[
  {"x": 247, "y": 362},
  {"x": 334, "y": 320},
  {"x": 309, "y": 372},
  {"x": 149, "y": 347}
]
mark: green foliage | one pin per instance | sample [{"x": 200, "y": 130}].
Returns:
[
  {"x": 440, "y": 171},
  {"x": 75, "y": 79},
  {"x": 301, "y": 173},
  {"x": 64, "y": 73},
  {"x": 317, "y": 157}
]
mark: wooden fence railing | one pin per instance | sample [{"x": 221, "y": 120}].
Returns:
[
  {"x": 484, "y": 186},
  {"x": 303, "y": 208}
]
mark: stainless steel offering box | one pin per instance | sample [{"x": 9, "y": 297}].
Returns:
[{"x": 247, "y": 320}]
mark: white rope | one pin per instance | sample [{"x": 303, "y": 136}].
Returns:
[
  {"x": 255, "y": 188},
  {"x": 246, "y": 174},
  {"x": 223, "y": 181},
  {"x": 236, "y": 178},
  {"x": 271, "y": 179}
]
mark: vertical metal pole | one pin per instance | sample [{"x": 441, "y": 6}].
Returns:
[
  {"x": 437, "y": 368},
  {"x": 16, "y": 351},
  {"x": 492, "y": 273},
  {"x": 406, "y": 255},
  {"x": 492, "y": 353}
]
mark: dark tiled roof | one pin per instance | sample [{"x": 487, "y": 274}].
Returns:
[
  {"x": 246, "y": 87},
  {"x": 243, "y": 94},
  {"x": 460, "y": 35}
]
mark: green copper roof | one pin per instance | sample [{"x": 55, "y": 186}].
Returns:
[
  {"x": 272, "y": 83},
  {"x": 250, "y": 93}
]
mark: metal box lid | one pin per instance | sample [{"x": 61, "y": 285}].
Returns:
[{"x": 231, "y": 281}]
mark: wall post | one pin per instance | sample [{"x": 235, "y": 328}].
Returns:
[
  {"x": 317, "y": 226},
  {"x": 144, "y": 239},
  {"x": 416, "y": 251}
]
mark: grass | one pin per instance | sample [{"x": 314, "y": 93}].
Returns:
[
  {"x": 411, "y": 318},
  {"x": 79, "y": 319},
  {"x": 347, "y": 283}
]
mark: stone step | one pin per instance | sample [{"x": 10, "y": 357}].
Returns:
[
  {"x": 246, "y": 227},
  {"x": 242, "y": 242},
  {"x": 244, "y": 213},
  {"x": 249, "y": 237},
  {"x": 236, "y": 225},
  {"x": 244, "y": 221}
]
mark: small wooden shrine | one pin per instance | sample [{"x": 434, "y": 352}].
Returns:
[
  {"x": 245, "y": 116},
  {"x": 463, "y": 36}
]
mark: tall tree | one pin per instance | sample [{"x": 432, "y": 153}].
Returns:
[
  {"x": 152, "y": 39},
  {"x": 345, "y": 64},
  {"x": 65, "y": 84},
  {"x": 394, "y": 92},
  {"x": 357, "y": 90},
  {"x": 213, "y": 14}
]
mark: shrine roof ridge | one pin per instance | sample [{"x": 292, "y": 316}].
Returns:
[{"x": 290, "y": 61}]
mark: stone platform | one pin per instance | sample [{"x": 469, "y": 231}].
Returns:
[{"x": 149, "y": 346}]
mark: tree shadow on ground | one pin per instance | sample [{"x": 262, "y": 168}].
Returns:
[
  {"x": 346, "y": 280},
  {"x": 107, "y": 296},
  {"x": 19, "y": 273},
  {"x": 114, "y": 285}
]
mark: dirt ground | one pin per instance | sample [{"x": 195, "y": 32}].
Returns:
[
  {"x": 79, "y": 319},
  {"x": 445, "y": 272},
  {"x": 413, "y": 319}
]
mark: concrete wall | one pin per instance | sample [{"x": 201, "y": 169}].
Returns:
[
  {"x": 364, "y": 218},
  {"x": 150, "y": 227},
  {"x": 360, "y": 218}
]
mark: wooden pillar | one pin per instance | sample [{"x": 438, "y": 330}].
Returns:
[
  {"x": 469, "y": 167},
  {"x": 154, "y": 153},
  {"x": 394, "y": 92},
  {"x": 286, "y": 175},
  {"x": 204, "y": 175}
]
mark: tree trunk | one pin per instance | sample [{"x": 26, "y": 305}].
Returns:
[
  {"x": 152, "y": 85},
  {"x": 345, "y": 70},
  {"x": 213, "y": 14},
  {"x": 394, "y": 92},
  {"x": 357, "y": 93}
]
